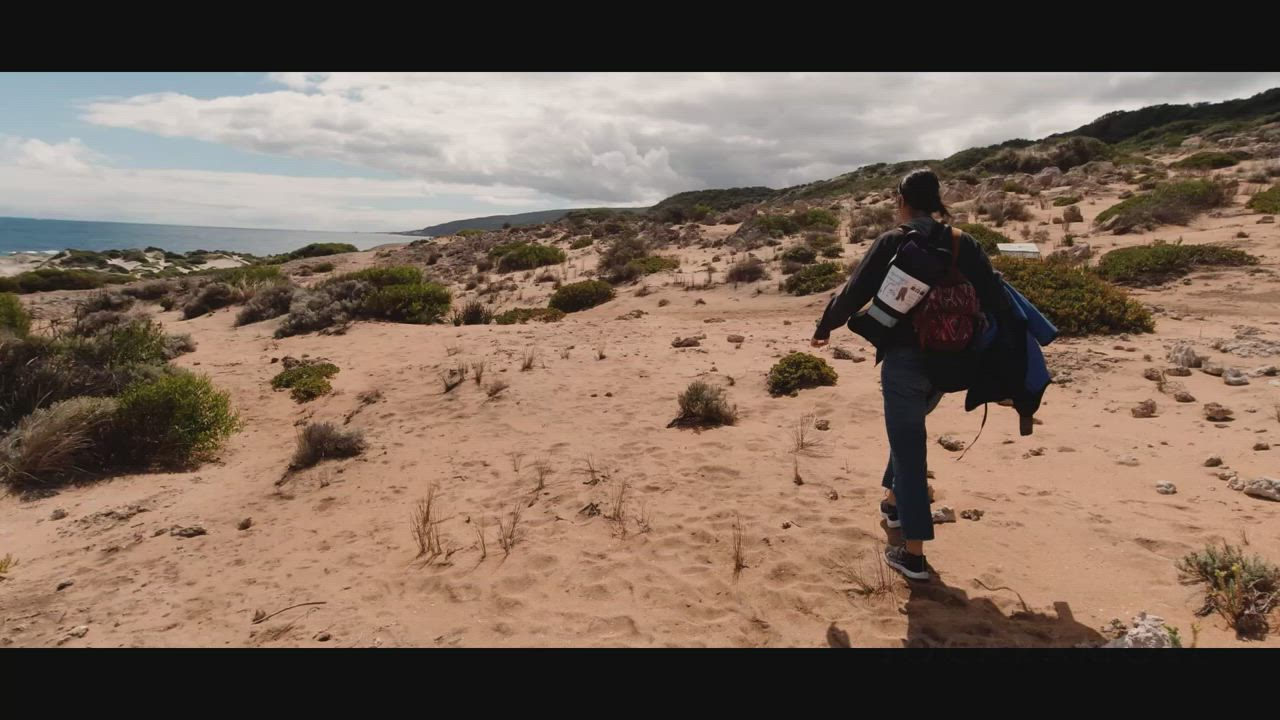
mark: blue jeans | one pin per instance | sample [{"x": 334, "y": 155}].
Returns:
[{"x": 908, "y": 397}]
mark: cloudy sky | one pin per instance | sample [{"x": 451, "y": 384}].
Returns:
[{"x": 395, "y": 151}]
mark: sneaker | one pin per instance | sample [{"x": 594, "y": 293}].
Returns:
[
  {"x": 890, "y": 514},
  {"x": 912, "y": 566}
]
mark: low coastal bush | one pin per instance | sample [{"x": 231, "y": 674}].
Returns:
[
  {"x": 798, "y": 371},
  {"x": 1074, "y": 299},
  {"x": 1168, "y": 203},
  {"x": 523, "y": 315},
  {"x": 581, "y": 295},
  {"x": 306, "y": 381},
  {"x": 816, "y": 278},
  {"x": 1161, "y": 262}
]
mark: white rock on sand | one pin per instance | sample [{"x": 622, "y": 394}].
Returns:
[{"x": 1148, "y": 632}]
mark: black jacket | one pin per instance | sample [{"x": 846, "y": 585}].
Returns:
[{"x": 865, "y": 281}]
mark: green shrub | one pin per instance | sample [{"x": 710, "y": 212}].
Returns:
[
  {"x": 817, "y": 219},
  {"x": 175, "y": 345},
  {"x": 615, "y": 262},
  {"x": 832, "y": 251},
  {"x": 821, "y": 241},
  {"x": 174, "y": 421},
  {"x": 816, "y": 278},
  {"x": 49, "y": 279},
  {"x": 652, "y": 264},
  {"x": 526, "y": 256},
  {"x": 1173, "y": 202},
  {"x": 581, "y": 295},
  {"x": 1066, "y": 200},
  {"x": 57, "y": 443},
  {"x": 704, "y": 405},
  {"x": 419, "y": 303},
  {"x": 324, "y": 440},
  {"x": 1074, "y": 299},
  {"x": 331, "y": 303},
  {"x": 473, "y": 313},
  {"x": 749, "y": 270},
  {"x": 322, "y": 267},
  {"x": 798, "y": 371},
  {"x": 1267, "y": 201},
  {"x": 113, "y": 300},
  {"x": 269, "y": 302},
  {"x": 380, "y": 276},
  {"x": 1206, "y": 160},
  {"x": 986, "y": 237},
  {"x": 212, "y": 296},
  {"x": 470, "y": 232},
  {"x": 1243, "y": 590},
  {"x": 37, "y": 371},
  {"x": 579, "y": 243},
  {"x": 307, "y": 381},
  {"x": 13, "y": 316},
  {"x": 1160, "y": 262},
  {"x": 776, "y": 225},
  {"x": 320, "y": 250},
  {"x": 524, "y": 315},
  {"x": 245, "y": 275},
  {"x": 1011, "y": 186},
  {"x": 799, "y": 254},
  {"x": 153, "y": 290}
]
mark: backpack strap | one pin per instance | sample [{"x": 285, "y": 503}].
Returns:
[{"x": 955, "y": 246}]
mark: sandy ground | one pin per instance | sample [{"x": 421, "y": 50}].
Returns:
[{"x": 1070, "y": 537}]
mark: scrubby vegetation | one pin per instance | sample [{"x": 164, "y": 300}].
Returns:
[
  {"x": 1267, "y": 201},
  {"x": 799, "y": 254},
  {"x": 1066, "y": 200},
  {"x": 1169, "y": 203},
  {"x": 473, "y": 313},
  {"x": 1074, "y": 299},
  {"x": 14, "y": 318},
  {"x": 62, "y": 442},
  {"x": 1207, "y": 160},
  {"x": 319, "y": 250},
  {"x": 986, "y": 237},
  {"x": 306, "y": 381},
  {"x": 324, "y": 441},
  {"x": 704, "y": 405},
  {"x": 270, "y": 302},
  {"x": 213, "y": 296},
  {"x": 798, "y": 371},
  {"x": 526, "y": 256},
  {"x": 523, "y": 315},
  {"x": 1242, "y": 590},
  {"x": 1161, "y": 262},
  {"x": 581, "y": 296},
  {"x": 749, "y": 270},
  {"x": 651, "y": 264},
  {"x": 175, "y": 420},
  {"x": 38, "y": 370},
  {"x": 697, "y": 204},
  {"x": 579, "y": 243},
  {"x": 48, "y": 279},
  {"x": 618, "y": 262},
  {"x": 816, "y": 278},
  {"x": 417, "y": 303},
  {"x": 395, "y": 293}
]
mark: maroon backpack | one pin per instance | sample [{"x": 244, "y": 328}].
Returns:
[{"x": 947, "y": 319}]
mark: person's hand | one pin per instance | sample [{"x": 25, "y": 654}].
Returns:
[{"x": 818, "y": 343}]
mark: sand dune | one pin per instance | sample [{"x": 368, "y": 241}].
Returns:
[{"x": 1069, "y": 539}]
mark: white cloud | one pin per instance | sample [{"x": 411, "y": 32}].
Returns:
[
  {"x": 67, "y": 157},
  {"x": 529, "y": 140},
  {"x": 66, "y": 180},
  {"x": 638, "y": 137}
]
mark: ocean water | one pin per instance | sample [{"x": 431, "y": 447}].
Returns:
[{"x": 29, "y": 235}]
